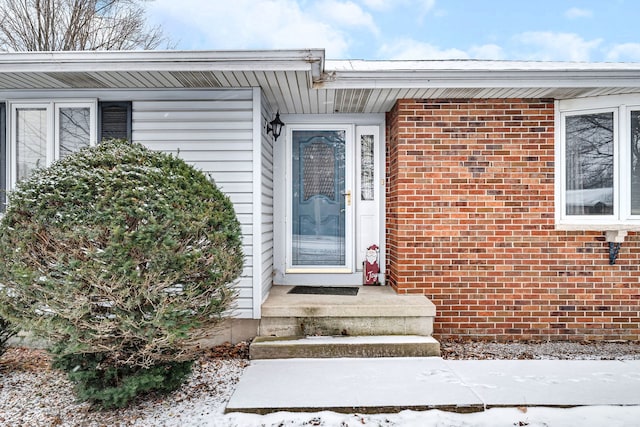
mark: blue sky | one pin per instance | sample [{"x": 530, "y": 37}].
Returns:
[{"x": 560, "y": 30}]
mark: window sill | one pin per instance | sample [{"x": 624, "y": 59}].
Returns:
[
  {"x": 598, "y": 227},
  {"x": 614, "y": 233}
]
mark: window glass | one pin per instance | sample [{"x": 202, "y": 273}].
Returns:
[
  {"x": 635, "y": 162},
  {"x": 31, "y": 140},
  {"x": 74, "y": 129},
  {"x": 3, "y": 157},
  {"x": 318, "y": 198},
  {"x": 318, "y": 165},
  {"x": 589, "y": 164},
  {"x": 366, "y": 167}
]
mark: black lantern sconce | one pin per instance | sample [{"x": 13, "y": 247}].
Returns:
[{"x": 275, "y": 127}]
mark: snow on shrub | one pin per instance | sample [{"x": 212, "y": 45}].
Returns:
[{"x": 118, "y": 254}]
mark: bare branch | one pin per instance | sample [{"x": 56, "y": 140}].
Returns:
[{"x": 51, "y": 25}]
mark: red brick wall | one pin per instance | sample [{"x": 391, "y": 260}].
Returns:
[{"x": 470, "y": 224}]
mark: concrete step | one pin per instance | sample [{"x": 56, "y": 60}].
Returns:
[
  {"x": 343, "y": 346},
  {"x": 345, "y": 325},
  {"x": 376, "y": 310}
]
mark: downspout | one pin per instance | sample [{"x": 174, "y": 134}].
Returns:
[
  {"x": 614, "y": 249},
  {"x": 615, "y": 239}
]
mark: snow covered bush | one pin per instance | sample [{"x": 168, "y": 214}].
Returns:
[{"x": 118, "y": 256}]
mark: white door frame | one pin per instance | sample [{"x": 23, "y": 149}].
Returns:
[
  {"x": 367, "y": 206},
  {"x": 282, "y": 273}
]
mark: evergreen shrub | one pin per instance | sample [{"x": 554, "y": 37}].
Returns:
[
  {"x": 6, "y": 332},
  {"x": 118, "y": 256}
]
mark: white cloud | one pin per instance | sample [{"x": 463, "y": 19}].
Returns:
[
  {"x": 414, "y": 50},
  {"x": 418, "y": 8},
  {"x": 487, "y": 51},
  {"x": 248, "y": 24},
  {"x": 346, "y": 14},
  {"x": 550, "y": 46},
  {"x": 426, "y": 5},
  {"x": 532, "y": 46},
  {"x": 423, "y": 6},
  {"x": 379, "y": 4},
  {"x": 624, "y": 52},
  {"x": 575, "y": 13},
  {"x": 338, "y": 26},
  {"x": 410, "y": 49}
]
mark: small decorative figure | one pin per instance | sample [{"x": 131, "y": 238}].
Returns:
[{"x": 371, "y": 266}]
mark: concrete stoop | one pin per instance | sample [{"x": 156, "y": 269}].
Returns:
[
  {"x": 330, "y": 347},
  {"x": 375, "y": 323}
]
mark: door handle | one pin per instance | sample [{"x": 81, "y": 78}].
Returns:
[{"x": 347, "y": 195}]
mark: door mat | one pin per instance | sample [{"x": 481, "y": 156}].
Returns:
[{"x": 325, "y": 290}]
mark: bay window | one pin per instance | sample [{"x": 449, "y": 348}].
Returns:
[{"x": 598, "y": 163}]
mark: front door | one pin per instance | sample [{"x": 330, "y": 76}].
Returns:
[{"x": 320, "y": 237}]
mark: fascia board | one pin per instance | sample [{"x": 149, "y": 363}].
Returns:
[
  {"x": 480, "y": 79},
  {"x": 273, "y": 60},
  {"x": 474, "y": 65}
]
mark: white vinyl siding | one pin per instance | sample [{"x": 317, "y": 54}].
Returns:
[
  {"x": 267, "y": 201},
  {"x": 216, "y": 136}
]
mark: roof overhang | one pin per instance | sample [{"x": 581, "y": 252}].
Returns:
[
  {"x": 478, "y": 74},
  {"x": 303, "y": 82},
  {"x": 311, "y": 60}
]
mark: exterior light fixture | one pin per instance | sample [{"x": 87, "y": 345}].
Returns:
[{"x": 275, "y": 127}]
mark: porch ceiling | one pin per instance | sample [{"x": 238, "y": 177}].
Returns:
[{"x": 299, "y": 81}]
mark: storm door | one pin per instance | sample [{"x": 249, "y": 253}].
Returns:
[{"x": 320, "y": 238}]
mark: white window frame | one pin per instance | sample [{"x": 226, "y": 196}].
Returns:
[
  {"x": 52, "y": 108},
  {"x": 621, "y": 219},
  {"x": 625, "y": 154}
]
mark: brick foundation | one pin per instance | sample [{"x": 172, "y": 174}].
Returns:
[{"x": 470, "y": 224}]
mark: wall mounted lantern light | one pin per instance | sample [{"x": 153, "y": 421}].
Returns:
[{"x": 275, "y": 127}]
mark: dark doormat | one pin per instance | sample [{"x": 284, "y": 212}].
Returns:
[{"x": 325, "y": 290}]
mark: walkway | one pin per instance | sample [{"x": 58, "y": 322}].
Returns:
[{"x": 394, "y": 384}]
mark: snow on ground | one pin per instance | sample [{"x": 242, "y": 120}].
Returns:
[
  {"x": 36, "y": 396},
  {"x": 591, "y": 416}
]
